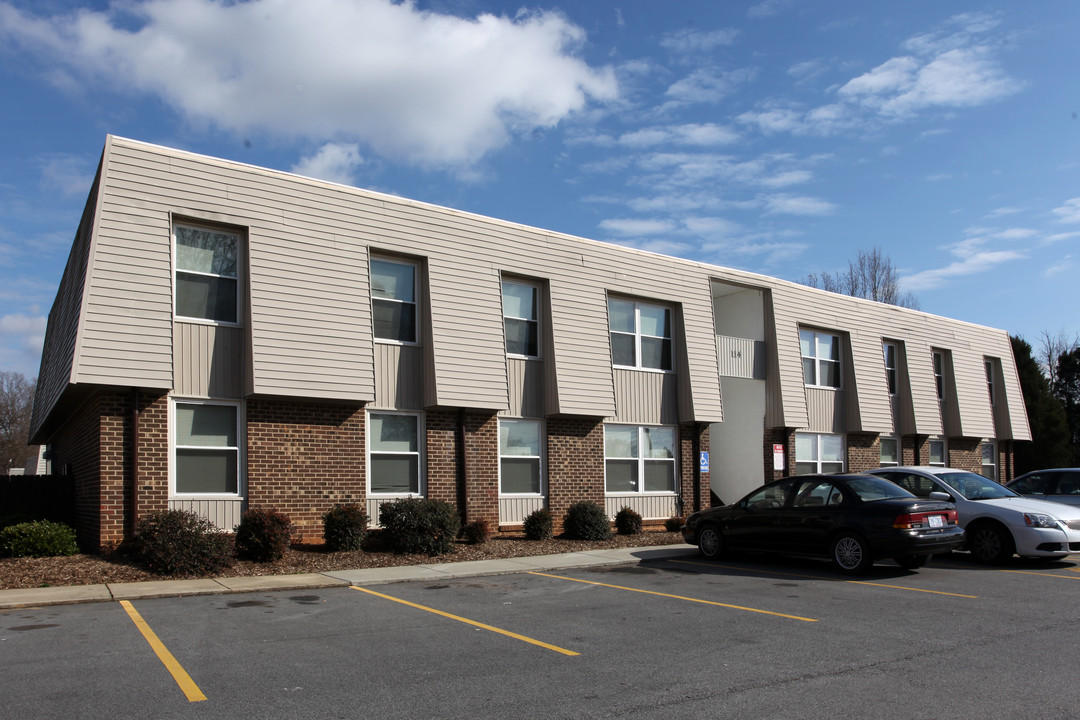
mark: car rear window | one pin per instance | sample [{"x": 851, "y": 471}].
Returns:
[{"x": 870, "y": 488}]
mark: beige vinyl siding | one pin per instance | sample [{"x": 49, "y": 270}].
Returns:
[
  {"x": 223, "y": 514},
  {"x": 514, "y": 510},
  {"x": 649, "y": 507},
  {"x": 975, "y": 416},
  {"x": 740, "y": 357},
  {"x": 868, "y": 408},
  {"x": 699, "y": 371},
  {"x": 209, "y": 361},
  {"x": 789, "y": 376},
  {"x": 399, "y": 377},
  {"x": 580, "y": 354},
  {"x": 525, "y": 379},
  {"x": 646, "y": 398},
  {"x": 825, "y": 410}
]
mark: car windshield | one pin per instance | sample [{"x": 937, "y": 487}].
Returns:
[
  {"x": 872, "y": 488},
  {"x": 974, "y": 487}
]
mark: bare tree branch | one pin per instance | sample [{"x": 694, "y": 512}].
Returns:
[
  {"x": 871, "y": 276},
  {"x": 16, "y": 402}
]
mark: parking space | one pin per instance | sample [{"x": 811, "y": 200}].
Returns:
[{"x": 761, "y": 636}]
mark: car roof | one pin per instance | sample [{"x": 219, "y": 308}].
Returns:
[
  {"x": 931, "y": 469},
  {"x": 1032, "y": 472}
]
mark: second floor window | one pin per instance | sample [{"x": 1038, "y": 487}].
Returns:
[
  {"x": 393, "y": 300},
  {"x": 820, "y": 358},
  {"x": 206, "y": 274},
  {"x": 519, "y": 318},
  {"x": 939, "y": 374},
  {"x": 889, "y": 349},
  {"x": 640, "y": 335},
  {"x": 990, "y": 380}
]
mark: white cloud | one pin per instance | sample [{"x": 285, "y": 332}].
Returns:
[
  {"x": 412, "y": 84},
  {"x": 797, "y": 205},
  {"x": 336, "y": 162},
  {"x": 766, "y": 9},
  {"x": 705, "y": 85},
  {"x": 704, "y": 134},
  {"x": 689, "y": 42},
  {"x": 630, "y": 227},
  {"x": 1065, "y": 264},
  {"x": 21, "y": 338},
  {"x": 67, "y": 173},
  {"x": 1069, "y": 212},
  {"x": 1058, "y": 237},
  {"x": 970, "y": 263}
]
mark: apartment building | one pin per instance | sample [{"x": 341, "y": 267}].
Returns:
[{"x": 227, "y": 336}]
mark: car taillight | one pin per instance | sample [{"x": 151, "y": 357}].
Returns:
[{"x": 916, "y": 521}]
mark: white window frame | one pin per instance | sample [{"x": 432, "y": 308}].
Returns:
[
  {"x": 414, "y": 302},
  {"x": 539, "y": 458},
  {"x": 892, "y": 372},
  {"x": 241, "y": 440},
  {"x": 642, "y": 460},
  {"x": 993, "y": 464},
  {"x": 989, "y": 365},
  {"x": 177, "y": 271},
  {"x": 881, "y": 455},
  {"x": 944, "y": 452},
  {"x": 638, "y": 335},
  {"x": 421, "y": 435},
  {"x": 533, "y": 321},
  {"x": 817, "y": 459},
  {"x": 815, "y": 357},
  {"x": 938, "y": 358}
]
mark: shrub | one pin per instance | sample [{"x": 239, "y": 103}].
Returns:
[
  {"x": 179, "y": 542},
  {"x": 16, "y": 518},
  {"x": 477, "y": 532},
  {"x": 628, "y": 522},
  {"x": 586, "y": 521},
  {"x": 538, "y": 525},
  {"x": 674, "y": 524},
  {"x": 420, "y": 525},
  {"x": 38, "y": 538},
  {"x": 345, "y": 527},
  {"x": 263, "y": 535}
]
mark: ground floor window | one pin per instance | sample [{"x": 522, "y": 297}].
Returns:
[
  {"x": 206, "y": 447},
  {"x": 639, "y": 459},
  {"x": 890, "y": 451},
  {"x": 818, "y": 453},
  {"x": 937, "y": 453},
  {"x": 520, "y": 457},
  {"x": 394, "y": 460},
  {"x": 989, "y": 459}
]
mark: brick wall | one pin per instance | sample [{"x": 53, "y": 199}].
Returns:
[
  {"x": 152, "y": 494},
  {"x": 863, "y": 452},
  {"x": 965, "y": 454},
  {"x": 77, "y": 451},
  {"x": 575, "y": 450},
  {"x": 781, "y": 436},
  {"x": 442, "y": 455},
  {"x": 688, "y": 465},
  {"x": 482, "y": 468},
  {"x": 303, "y": 458}
]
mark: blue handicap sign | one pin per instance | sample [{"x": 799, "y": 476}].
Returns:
[{"x": 703, "y": 461}]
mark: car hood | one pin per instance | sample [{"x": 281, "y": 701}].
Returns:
[{"x": 1031, "y": 505}]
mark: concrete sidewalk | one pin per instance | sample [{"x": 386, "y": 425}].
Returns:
[{"x": 38, "y": 597}]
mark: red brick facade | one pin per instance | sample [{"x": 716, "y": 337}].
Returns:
[{"x": 575, "y": 469}]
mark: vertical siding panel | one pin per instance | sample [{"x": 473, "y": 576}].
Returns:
[
  {"x": 924, "y": 401},
  {"x": 525, "y": 379},
  {"x": 646, "y": 398},
  {"x": 825, "y": 410},
  {"x": 649, "y": 507},
  {"x": 399, "y": 377},
  {"x": 975, "y": 416},
  {"x": 869, "y": 398},
  {"x": 514, "y": 510},
  {"x": 209, "y": 361}
]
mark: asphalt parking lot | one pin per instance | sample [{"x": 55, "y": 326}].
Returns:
[{"x": 753, "y": 637}]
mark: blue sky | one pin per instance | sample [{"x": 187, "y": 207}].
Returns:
[{"x": 779, "y": 137}]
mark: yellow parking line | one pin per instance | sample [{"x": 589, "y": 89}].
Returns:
[
  {"x": 1029, "y": 572},
  {"x": 677, "y": 597},
  {"x": 187, "y": 685},
  {"x": 819, "y": 577},
  {"x": 468, "y": 622}
]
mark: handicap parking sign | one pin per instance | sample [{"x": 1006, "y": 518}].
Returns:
[{"x": 703, "y": 461}]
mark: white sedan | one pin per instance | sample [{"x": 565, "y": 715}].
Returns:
[{"x": 998, "y": 522}]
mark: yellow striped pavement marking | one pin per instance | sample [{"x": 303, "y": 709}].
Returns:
[{"x": 187, "y": 685}]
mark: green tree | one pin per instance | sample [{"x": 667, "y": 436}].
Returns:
[
  {"x": 1066, "y": 387},
  {"x": 1049, "y": 446}
]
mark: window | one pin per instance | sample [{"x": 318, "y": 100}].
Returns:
[
  {"x": 990, "y": 380},
  {"x": 938, "y": 454},
  {"x": 890, "y": 451},
  {"x": 818, "y": 453},
  {"x": 520, "y": 458},
  {"x": 989, "y": 459},
  {"x": 206, "y": 272},
  {"x": 939, "y": 374},
  {"x": 821, "y": 358},
  {"x": 393, "y": 300},
  {"x": 394, "y": 454},
  {"x": 639, "y": 459},
  {"x": 640, "y": 335},
  {"x": 519, "y": 318},
  {"x": 818, "y": 494},
  {"x": 206, "y": 443},
  {"x": 889, "y": 349}
]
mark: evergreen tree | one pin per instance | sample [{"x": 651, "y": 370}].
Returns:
[
  {"x": 1066, "y": 387},
  {"x": 1049, "y": 446}
]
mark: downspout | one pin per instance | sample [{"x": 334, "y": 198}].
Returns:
[
  {"x": 462, "y": 463},
  {"x": 134, "y": 459}
]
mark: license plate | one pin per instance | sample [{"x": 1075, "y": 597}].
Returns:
[{"x": 937, "y": 521}]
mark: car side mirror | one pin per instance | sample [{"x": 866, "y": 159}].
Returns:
[{"x": 942, "y": 496}]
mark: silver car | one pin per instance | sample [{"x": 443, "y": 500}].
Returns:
[
  {"x": 998, "y": 522},
  {"x": 1057, "y": 485}
]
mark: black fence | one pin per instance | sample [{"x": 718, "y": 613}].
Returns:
[{"x": 38, "y": 497}]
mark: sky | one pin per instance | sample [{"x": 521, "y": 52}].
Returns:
[{"x": 778, "y": 136}]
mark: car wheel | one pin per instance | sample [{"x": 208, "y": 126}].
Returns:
[
  {"x": 850, "y": 553},
  {"x": 910, "y": 562},
  {"x": 990, "y": 544},
  {"x": 710, "y": 542}
]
